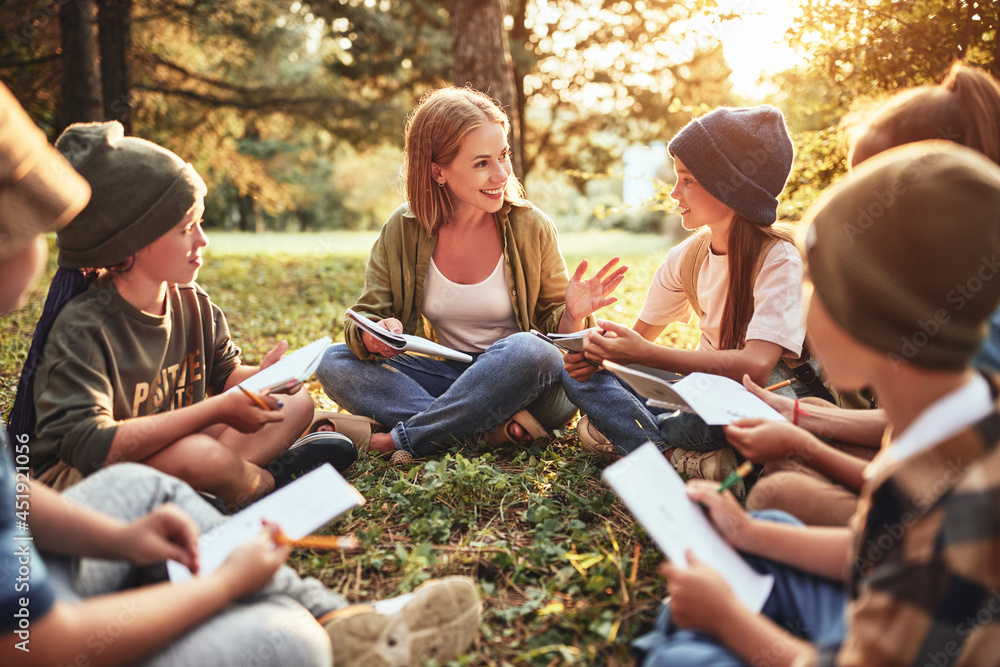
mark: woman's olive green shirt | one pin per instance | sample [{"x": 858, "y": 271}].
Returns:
[{"x": 397, "y": 268}]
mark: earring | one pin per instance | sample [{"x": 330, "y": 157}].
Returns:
[{"x": 441, "y": 184}]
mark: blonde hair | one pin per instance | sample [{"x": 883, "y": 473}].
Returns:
[
  {"x": 964, "y": 108},
  {"x": 434, "y": 135}
]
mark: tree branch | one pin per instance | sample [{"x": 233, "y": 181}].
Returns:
[{"x": 10, "y": 64}]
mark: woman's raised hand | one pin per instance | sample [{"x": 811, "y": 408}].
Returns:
[{"x": 585, "y": 297}]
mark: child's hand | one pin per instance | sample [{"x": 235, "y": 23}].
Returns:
[
  {"x": 165, "y": 533},
  {"x": 585, "y": 297},
  {"x": 763, "y": 440},
  {"x": 616, "y": 342},
  {"x": 375, "y": 346},
  {"x": 578, "y": 367},
  {"x": 783, "y": 404},
  {"x": 731, "y": 520},
  {"x": 700, "y": 599},
  {"x": 245, "y": 415},
  {"x": 274, "y": 355},
  {"x": 251, "y": 566}
]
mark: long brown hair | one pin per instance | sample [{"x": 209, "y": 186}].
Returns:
[
  {"x": 746, "y": 239},
  {"x": 964, "y": 108},
  {"x": 434, "y": 135}
]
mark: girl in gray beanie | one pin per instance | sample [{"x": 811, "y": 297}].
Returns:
[
  {"x": 740, "y": 274},
  {"x": 131, "y": 360}
]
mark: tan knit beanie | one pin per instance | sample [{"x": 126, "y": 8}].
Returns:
[
  {"x": 905, "y": 254},
  {"x": 140, "y": 191},
  {"x": 39, "y": 191}
]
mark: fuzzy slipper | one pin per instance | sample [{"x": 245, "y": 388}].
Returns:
[
  {"x": 357, "y": 428},
  {"x": 594, "y": 441},
  {"x": 501, "y": 434}
]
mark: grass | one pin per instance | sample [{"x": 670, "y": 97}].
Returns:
[{"x": 566, "y": 575}]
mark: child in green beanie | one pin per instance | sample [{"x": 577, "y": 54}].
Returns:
[
  {"x": 914, "y": 579},
  {"x": 138, "y": 364}
]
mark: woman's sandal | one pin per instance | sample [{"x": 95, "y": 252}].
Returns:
[
  {"x": 356, "y": 427},
  {"x": 594, "y": 441},
  {"x": 501, "y": 435}
]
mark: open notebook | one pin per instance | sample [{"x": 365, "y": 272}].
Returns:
[
  {"x": 716, "y": 399},
  {"x": 291, "y": 369},
  {"x": 307, "y": 504},
  {"x": 406, "y": 342}
]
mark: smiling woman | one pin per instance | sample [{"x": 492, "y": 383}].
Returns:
[{"x": 470, "y": 263}]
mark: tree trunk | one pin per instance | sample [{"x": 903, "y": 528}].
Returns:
[
  {"x": 481, "y": 59},
  {"x": 114, "y": 19},
  {"x": 519, "y": 34},
  {"x": 81, "y": 83}
]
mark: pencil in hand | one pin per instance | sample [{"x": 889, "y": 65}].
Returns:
[
  {"x": 779, "y": 385},
  {"x": 346, "y": 543},
  {"x": 254, "y": 397},
  {"x": 735, "y": 476}
]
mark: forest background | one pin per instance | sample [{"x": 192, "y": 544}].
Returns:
[{"x": 294, "y": 114}]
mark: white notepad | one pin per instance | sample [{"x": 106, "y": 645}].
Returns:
[
  {"x": 300, "y": 508},
  {"x": 290, "y": 370},
  {"x": 657, "y": 497}
]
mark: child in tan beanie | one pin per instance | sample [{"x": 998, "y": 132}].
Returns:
[
  {"x": 914, "y": 580},
  {"x": 138, "y": 364}
]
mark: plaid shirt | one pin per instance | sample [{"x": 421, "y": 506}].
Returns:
[{"x": 925, "y": 575}]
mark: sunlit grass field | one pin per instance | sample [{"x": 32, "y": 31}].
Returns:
[{"x": 566, "y": 576}]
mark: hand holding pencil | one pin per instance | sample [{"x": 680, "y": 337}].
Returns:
[{"x": 247, "y": 411}]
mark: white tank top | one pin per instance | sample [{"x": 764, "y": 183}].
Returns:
[{"x": 469, "y": 318}]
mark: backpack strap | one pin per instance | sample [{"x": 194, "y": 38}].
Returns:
[{"x": 695, "y": 257}]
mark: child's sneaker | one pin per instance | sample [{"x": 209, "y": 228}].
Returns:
[
  {"x": 311, "y": 452},
  {"x": 439, "y": 621},
  {"x": 715, "y": 465},
  {"x": 594, "y": 441}
]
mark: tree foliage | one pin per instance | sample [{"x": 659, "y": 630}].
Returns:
[{"x": 883, "y": 45}]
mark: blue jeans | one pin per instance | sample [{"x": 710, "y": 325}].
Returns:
[
  {"x": 616, "y": 410},
  {"x": 809, "y": 607},
  {"x": 435, "y": 403}
]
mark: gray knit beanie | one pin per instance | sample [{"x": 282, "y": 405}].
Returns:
[
  {"x": 139, "y": 192},
  {"x": 741, "y": 156},
  {"x": 905, "y": 253}
]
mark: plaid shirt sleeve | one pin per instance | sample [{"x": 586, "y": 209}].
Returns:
[{"x": 925, "y": 579}]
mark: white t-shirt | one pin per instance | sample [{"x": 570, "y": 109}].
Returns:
[
  {"x": 469, "y": 318},
  {"x": 777, "y": 316}
]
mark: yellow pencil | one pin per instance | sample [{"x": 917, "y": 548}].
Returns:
[
  {"x": 778, "y": 385},
  {"x": 254, "y": 397},
  {"x": 320, "y": 542}
]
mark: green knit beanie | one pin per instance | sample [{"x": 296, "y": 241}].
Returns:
[
  {"x": 139, "y": 192},
  {"x": 905, "y": 253}
]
